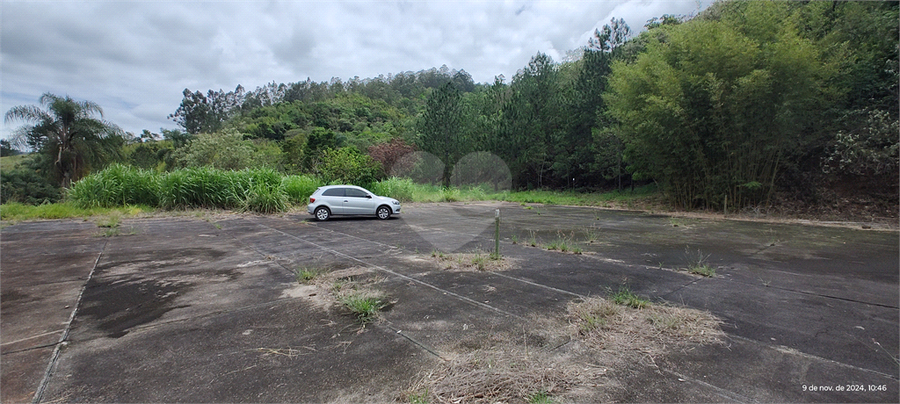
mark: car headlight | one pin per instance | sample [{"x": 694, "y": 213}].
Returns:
[{"x": 395, "y": 202}]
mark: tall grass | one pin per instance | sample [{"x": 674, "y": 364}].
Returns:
[
  {"x": 202, "y": 187},
  {"x": 267, "y": 191},
  {"x": 258, "y": 190},
  {"x": 265, "y": 198},
  {"x": 401, "y": 189},
  {"x": 118, "y": 185},
  {"x": 299, "y": 187}
]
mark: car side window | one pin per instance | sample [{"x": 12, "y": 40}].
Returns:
[
  {"x": 355, "y": 193},
  {"x": 333, "y": 192}
]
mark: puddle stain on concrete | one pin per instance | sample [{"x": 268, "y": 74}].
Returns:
[
  {"x": 14, "y": 297},
  {"x": 120, "y": 305}
]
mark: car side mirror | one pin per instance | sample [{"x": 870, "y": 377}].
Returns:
[{"x": 368, "y": 196}]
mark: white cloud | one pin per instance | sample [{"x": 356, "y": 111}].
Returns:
[{"x": 135, "y": 58}]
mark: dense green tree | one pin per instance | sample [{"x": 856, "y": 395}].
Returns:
[
  {"x": 68, "y": 132},
  {"x": 199, "y": 113},
  {"x": 594, "y": 152},
  {"x": 177, "y": 137},
  {"x": 869, "y": 153},
  {"x": 442, "y": 132},
  {"x": 611, "y": 36},
  {"x": 532, "y": 125},
  {"x": 711, "y": 111}
]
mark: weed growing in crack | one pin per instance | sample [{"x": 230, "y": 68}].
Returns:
[
  {"x": 338, "y": 285},
  {"x": 697, "y": 263},
  {"x": 480, "y": 260},
  {"x": 110, "y": 222},
  {"x": 664, "y": 322},
  {"x": 365, "y": 307},
  {"x": 564, "y": 244},
  {"x": 626, "y": 297},
  {"x": 111, "y": 232},
  {"x": 541, "y": 397},
  {"x": 592, "y": 235},
  {"x": 648, "y": 332},
  {"x": 439, "y": 255},
  {"x": 306, "y": 275},
  {"x": 113, "y": 229},
  {"x": 418, "y": 398}
]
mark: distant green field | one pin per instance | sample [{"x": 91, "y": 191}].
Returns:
[{"x": 10, "y": 162}]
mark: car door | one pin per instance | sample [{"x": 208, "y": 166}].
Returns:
[
  {"x": 358, "y": 202},
  {"x": 334, "y": 199}
]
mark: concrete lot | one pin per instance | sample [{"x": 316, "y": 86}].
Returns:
[{"x": 208, "y": 309}]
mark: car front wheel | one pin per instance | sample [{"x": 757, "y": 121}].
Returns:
[
  {"x": 322, "y": 213},
  {"x": 383, "y": 212}
]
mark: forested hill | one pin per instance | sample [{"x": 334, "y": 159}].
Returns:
[
  {"x": 270, "y": 111},
  {"x": 743, "y": 101},
  {"x": 748, "y": 104}
]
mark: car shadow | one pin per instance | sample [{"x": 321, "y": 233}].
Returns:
[{"x": 343, "y": 218}]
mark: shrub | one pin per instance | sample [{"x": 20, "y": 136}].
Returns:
[
  {"x": 226, "y": 150},
  {"x": 27, "y": 186},
  {"x": 348, "y": 166},
  {"x": 147, "y": 155}
]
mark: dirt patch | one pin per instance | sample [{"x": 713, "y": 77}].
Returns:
[{"x": 346, "y": 287}]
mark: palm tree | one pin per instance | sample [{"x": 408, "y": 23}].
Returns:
[{"x": 66, "y": 132}]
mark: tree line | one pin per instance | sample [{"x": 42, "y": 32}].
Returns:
[{"x": 745, "y": 103}]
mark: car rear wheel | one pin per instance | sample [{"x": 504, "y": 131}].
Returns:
[
  {"x": 383, "y": 212},
  {"x": 322, "y": 213}
]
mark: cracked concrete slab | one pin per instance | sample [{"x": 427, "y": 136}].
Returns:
[{"x": 182, "y": 309}]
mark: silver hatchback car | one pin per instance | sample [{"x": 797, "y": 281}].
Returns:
[{"x": 350, "y": 200}]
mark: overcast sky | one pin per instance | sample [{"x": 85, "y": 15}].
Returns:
[{"x": 135, "y": 58}]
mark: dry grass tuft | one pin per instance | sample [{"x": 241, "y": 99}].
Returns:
[
  {"x": 564, "y": 359},
  {"x": 650, "y": 331},
  {"x": 477, "y": 261},
  {"x": 502, "y": 374},
  {"x": 539, "y": 363}
]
